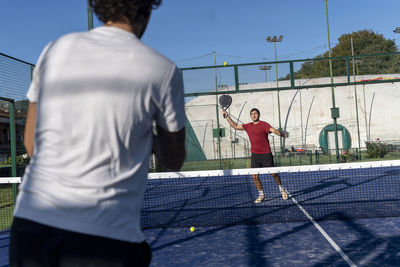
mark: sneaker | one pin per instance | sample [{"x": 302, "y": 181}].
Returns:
[
  {"x": 259, "y": 199},
  {"x": 284, "y": 194}
]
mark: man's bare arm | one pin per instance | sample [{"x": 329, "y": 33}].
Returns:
[
  {"x": 169, "y": 147},
  {"x": 231, "y": 122},
  {"x": 30, "y": 129},
  {"x": 275, "y": 131}
]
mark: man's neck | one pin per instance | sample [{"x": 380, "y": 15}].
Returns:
[
  {"x": 136, "y": 29},
  {"x": 256, "y": 122},
  {"x": 120, "y": 25}
]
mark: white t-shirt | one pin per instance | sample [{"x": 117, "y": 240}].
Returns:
[{"x": 97, "y": 94}]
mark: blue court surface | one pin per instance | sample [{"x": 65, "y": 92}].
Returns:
[
  {"x": 4, "y": 242},
  {"x": 366, "y": 242},
  {"x": 228, "y": 200},
  {"x": 344, "y": 217},
  {"x": 349, "y": 216}
]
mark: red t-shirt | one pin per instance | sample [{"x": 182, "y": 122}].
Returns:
[{"x": 258, "y": 134}]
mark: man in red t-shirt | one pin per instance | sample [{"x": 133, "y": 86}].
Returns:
[{"x": 261, "y": 155}]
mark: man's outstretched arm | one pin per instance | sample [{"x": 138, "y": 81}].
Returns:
[
  {"x": 275, "y": 131},
  {"x": 231, "y": 122}
]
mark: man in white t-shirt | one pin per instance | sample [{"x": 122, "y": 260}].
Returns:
[{"x": 93, "y": 99}]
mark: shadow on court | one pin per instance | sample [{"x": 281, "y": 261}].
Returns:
[
  {"x": 219, "y": 201},
  {"x": 372, "y": 242},
  {"x": 4, "y": 243},
  {"x": 367, "y": 242}
]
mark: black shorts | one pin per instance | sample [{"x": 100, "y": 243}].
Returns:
[
  {"x": 33, "y": 244},
  {"x": 262, "y": 160}
]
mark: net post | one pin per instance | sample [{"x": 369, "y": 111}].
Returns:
[
  {"x": 13, "y": 148},
  {"x": 12, "y": 140}
]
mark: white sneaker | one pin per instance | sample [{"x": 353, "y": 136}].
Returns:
[
  {"x": 284, "y": 194},
  {"x": 259, "y": 199}
]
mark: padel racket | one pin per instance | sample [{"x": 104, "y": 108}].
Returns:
[{"x": 225, "y": 101}]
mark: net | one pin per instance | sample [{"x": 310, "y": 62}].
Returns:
[
  {"x": 8, "y": 191},
  {"x": 226, "y": 197}
]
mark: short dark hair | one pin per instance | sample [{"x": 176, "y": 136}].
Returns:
[
  {"x": 255, "y": 109},
  {"x": 135, "y": 11}
]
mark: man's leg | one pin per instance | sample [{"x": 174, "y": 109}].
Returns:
[
  {"x": 257, "y": 182},
  {"x": 278, "y": 181},
  {"x": 277, "y": 178},
  {"x": 85, "y": 250},
  {"x": 269, "y": 162},
  {"x": 32, "y": 244},
  {"x": 256, "y": 179}
]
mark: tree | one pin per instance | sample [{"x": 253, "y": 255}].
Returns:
[{"x": 364, "y": 42}]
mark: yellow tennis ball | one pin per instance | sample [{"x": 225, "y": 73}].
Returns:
[
  {"x": 192, "y": 229},
  {"x": 225, "y": 63}
]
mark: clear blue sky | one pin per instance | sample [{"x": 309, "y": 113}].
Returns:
[{"x": 188, "y": 31}]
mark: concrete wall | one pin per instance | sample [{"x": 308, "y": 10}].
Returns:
[{"x": 378, "y": 112}]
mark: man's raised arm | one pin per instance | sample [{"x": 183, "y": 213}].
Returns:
[{"x": 231, "y": 122}]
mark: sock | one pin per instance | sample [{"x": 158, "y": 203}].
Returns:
[
  {"x": 280, "y": 187},
  {"x": 260, "y": 193}
]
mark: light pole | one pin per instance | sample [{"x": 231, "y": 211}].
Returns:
[
  {"x": 356, "y": 102},
  {"x": 334, "y": 110},
  {"x": 265, "y": 68},
  {"x": 217, "y": 112},
  {"x": 274, "y": 39}
]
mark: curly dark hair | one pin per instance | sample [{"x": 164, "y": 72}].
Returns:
[
  {"x": 255, "y": 109},
  {"x": 118, "y": 10}
]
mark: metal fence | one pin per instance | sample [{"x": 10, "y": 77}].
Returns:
[
  {"x": 15, "y": 78},
  {"x": 365, "y": 89}
]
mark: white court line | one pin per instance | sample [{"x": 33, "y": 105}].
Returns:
[{"x": 327, "y": 237}]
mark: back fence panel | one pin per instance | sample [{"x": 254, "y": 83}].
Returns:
[
  {"x": 293, "y": 95},
  {"x": 364, "y": 89}
]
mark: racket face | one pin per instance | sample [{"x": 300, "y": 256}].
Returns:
[{"x": 225, "y": 101}]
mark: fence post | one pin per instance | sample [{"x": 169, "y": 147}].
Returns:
[{"x": 13, "y": 148}]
